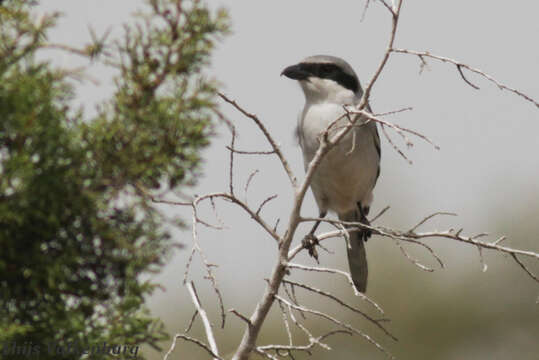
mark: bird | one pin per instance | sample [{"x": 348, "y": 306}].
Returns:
[{"x": 345, "y": 178}]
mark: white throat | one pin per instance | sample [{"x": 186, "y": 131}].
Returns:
[{"x": 318, "y": 90}]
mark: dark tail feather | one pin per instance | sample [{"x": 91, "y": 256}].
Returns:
[{"x": 357, "y": 257}]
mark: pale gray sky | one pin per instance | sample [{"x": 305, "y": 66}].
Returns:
[{"x": 486, "y": 170}]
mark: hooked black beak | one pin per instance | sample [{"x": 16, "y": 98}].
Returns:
[{"x": 295, "y": 72}]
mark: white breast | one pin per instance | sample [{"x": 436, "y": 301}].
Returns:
[{"x": 348, "y": 172}]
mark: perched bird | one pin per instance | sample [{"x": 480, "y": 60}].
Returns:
[{"x": 344, "y": 180}]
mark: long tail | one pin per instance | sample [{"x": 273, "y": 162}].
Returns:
[{"x": 357, "y": 257}]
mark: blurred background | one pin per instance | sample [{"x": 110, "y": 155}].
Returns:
[{"x": 487, "y": 171}]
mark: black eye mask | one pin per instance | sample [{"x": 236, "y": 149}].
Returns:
[{"x": 331, "y": 72}]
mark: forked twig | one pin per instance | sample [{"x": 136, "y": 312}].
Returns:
[
  {"x": 205, "y": 320},
  {"x": 460, "y": 65}
]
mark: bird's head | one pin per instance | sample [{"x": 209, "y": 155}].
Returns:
[{"x": 325, "y": 78}]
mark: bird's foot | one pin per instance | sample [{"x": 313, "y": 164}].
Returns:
[
  {"x": 365, "y": 234},
  {"x": 310, "y": 242}
]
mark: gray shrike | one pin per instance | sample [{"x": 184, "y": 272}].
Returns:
[{"x": 344, "y": 180}]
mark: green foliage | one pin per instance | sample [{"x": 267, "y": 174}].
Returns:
[{"x": 77, "y": 229}]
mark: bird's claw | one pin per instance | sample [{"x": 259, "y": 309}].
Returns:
[
  {"x": 366, "y": 234},
  {"x": 310, "y": 242}
]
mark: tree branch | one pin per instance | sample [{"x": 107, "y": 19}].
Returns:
[
  {"x": 327, "y": 140},
  {"x": 205, "y": 321},
  {"x": 268, "y": 136},
  {"x": 193, "y": 340},
  {"x": 460, "y": 65}
]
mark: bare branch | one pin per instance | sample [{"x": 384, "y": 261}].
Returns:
[
  {"x": 499, "y": 241},
  {"x": 395, "y": 147},
  {"x": 339, "y": 272},
  {"x": 268, "y": 199},
  {"x": 367, "y": 3},
  {"x": 459, "y": 68},
  {"x": 250, "y": 152},
  {"x": 205, "y": 321},
  {"x": 216, "y": 213},
  {"x": 524, "y": 267},
  {"x": 242, "y": 317},
  {"x": 286, "y": 324},
  {"x": 340, "y": 302},
  {"x": 295, "y": 321},
  {"x": 190, "y": 325},
  {"x": 249, "y": 179},
  {"x": 231, "y": 166},
  {"x": 328, "y": 139},
  {"x": 395, "y": 12},
  {"x": 276, "y": 224},
  {"x": 482, "y": 259},
  {"x": 413, "y": 260},
  {"x": 365, "y": 8},
  {"x": 459, "y": 65},
  {"x": 336, "y": 322},
  {"x": 382, "y": 212},
  {"x": 414, "y": 237},
  {"x": 394, "y": 112},
  {"x": 193, "y": 340},
  {"x": 247, "y": 344},
  {"x": 427, "y": 218},
  {"x": 268, "y": 136},
  {"x": 399, "y": 129},
  {"x": 388, "y": 7},
  {"x": 265, "y": 354},
  {"x": 292, "y": 296},
  {"x": 196, "y": 248},
  {"x": 355, "y": 226},
  {"x": 245, "y": 207},
  {"x": 306, "y": 348}
]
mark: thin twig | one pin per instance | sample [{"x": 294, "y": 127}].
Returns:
[
  {"x": 286, "y": 324},
  {"x": 398, "y": 129},
  {"x": 216, "y": 213},
  {"x": 394, "y": 146},
  {"x": 427, "y": 218},
  {"x": 414, "y": 237},
  {"x": 241, "y": 316},
  {"x": 394, "y": 112},
  {"x": 231, "y": 166},
  {"x": 265, "y": 354},
  {"x": 190, "y": 325},
  {"x": 196, "y": 248},
  {"x": 268, "y": 136},
  {"x": 524, "y": 267},
  {"x": 459, "y": 68},
  {"x": 342, "y": 303},
  {"x": 245, "y": 207},
  {"x": 482, "y": 259},
  {"x": 339, "y": 272},
  {"x": 268, "y": 199},
  {"x": 292, "y": 296},
  {"x": 243, "y": 152},
  {"x": 193, "y": 340},
  {"x": 335, "y": 321},
  {"x": 365, "y": 8},
  {"x": 306, "y": 348},
  {"x": 411, "y": 259},
  {"x": 460, "y": 65},
  {"x": 207, "y": 326},
  {"x": 382, "y": 212},
  {"x": 395, "y": 12}
]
